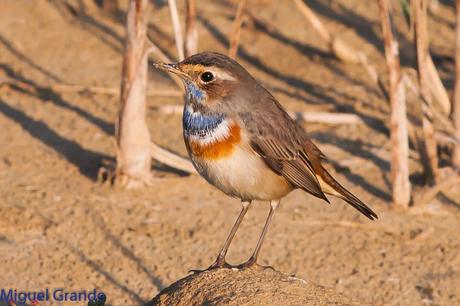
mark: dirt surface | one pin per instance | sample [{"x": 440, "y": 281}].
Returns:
[
  {"x": 60, "y": 228},
  {"x": 254, "y": 286}
]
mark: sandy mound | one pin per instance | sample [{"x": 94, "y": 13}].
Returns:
[{"x": 254, "y": 286}]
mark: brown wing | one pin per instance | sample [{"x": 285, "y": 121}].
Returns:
[
  {"x": 288, "y": 151},
  {"x": 283, "y": 145}
]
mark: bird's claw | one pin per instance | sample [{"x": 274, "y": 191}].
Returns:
[
  {"x": 218, "y": 264},
  {"x": 252, "y": 262}
]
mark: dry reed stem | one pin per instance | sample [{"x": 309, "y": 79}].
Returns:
[
  {"x": 131, "y": 131},
  {"x": 429, "y": 153},
  {"x": 326, "y": 118},
  {"x": 437, "y": 89},
  {"x": 134, "y": 145},
  {"x": 191, "y": 34},
  {"x": 177, "y": 29},
  {"x": 448, "y": 127},
  {"x": 314, "y": 20},
  {"x": 398, "y": 121},
  {"x": 443, "y": 137},
  {"x": 171, "y": 159},
  {"x": 236, "y": 30},
  {"x": 456, "y": 96}
]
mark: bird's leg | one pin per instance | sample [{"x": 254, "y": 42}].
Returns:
[
  {"x": 273, "y": 205},
  {"x": 220, "y": 261}
]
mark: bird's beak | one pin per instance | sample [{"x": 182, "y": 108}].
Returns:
[{"x": 173, "y": 68}]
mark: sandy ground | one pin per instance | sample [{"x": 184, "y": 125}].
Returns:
[{"x": 60, "y": 228}]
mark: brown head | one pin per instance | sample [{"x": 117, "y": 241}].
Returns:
[{"x": 215, "y": 81}]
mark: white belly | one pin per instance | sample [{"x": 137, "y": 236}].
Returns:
[{"x": 244, "y": 175}]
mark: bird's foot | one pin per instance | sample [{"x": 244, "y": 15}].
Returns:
[
  {"x": 252, "y": 263},
  {"x": 220, "y": 263}
]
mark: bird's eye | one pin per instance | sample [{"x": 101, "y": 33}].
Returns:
[{"x": 207, "y": 76}]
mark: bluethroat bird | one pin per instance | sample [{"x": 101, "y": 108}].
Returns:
[{"x": 242, "y": 141}]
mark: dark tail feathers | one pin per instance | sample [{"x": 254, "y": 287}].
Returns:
[{"x": 339, "y": 191}]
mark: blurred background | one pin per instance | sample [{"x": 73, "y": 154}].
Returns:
[{"x": 61, "y": 225}]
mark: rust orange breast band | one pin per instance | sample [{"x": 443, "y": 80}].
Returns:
[{"x": 221, "y": 148}]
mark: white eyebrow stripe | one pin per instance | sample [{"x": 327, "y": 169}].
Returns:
[{"x": 223, "y": 75}]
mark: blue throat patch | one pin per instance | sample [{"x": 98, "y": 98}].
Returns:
[
  {"x": 194, "y": 92},
  {"x": 198, "y": 124}
]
